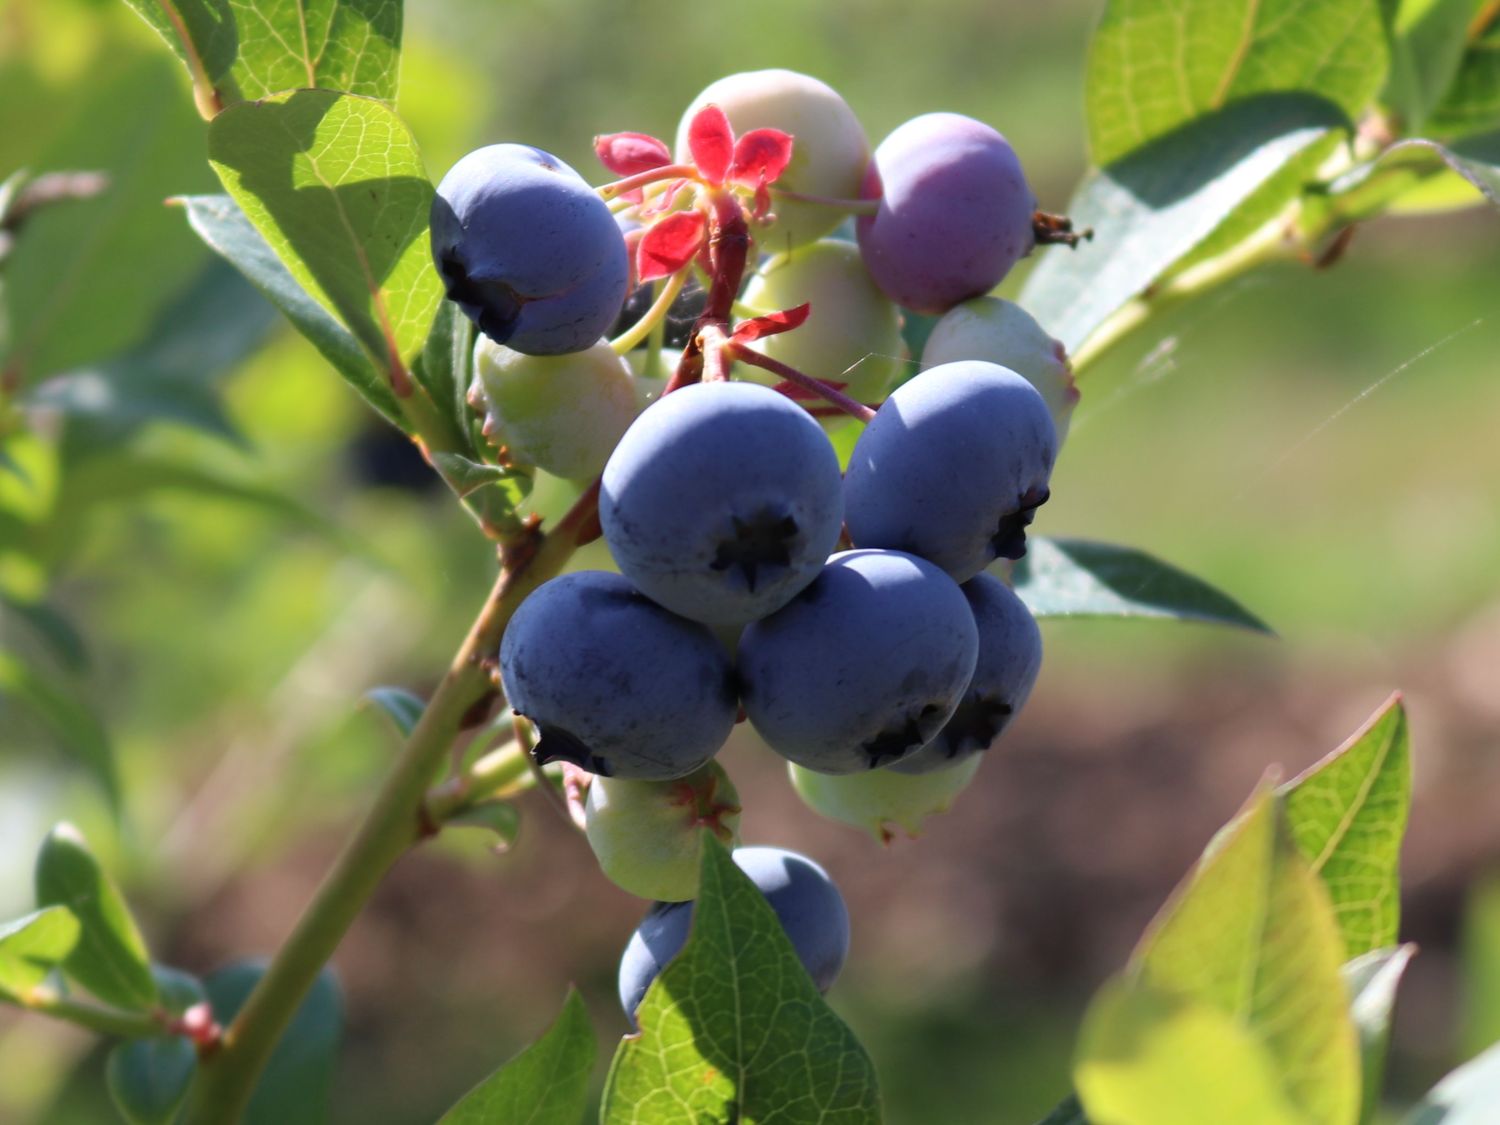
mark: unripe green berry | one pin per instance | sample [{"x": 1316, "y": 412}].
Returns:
[
  {"x": 1000, "y": 331},
  {"x": 829, "y": 146},
  {"x": 853, "y": 332},
  {"x": 648, "y": 835},
  {"x": 562, "y": 413},
  {"x": 880, "y": 801}
]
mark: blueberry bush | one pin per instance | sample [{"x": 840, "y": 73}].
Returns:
[{"x": 762, "y": 372}]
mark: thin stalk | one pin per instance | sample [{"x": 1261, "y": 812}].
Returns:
[
  {"x": 792, "y": 375},
  {"x": 492, "y": 774},
  {"x": 628, "y": 340},
  {"x": 106, "y": 1021},
  {"x": 641, "y": 179}
]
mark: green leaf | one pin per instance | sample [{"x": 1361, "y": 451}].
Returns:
[
  {"x": 336, "y": 186},
  {"x": 110, "y": 957},
  {"x": 498, "y": 817},
  {"x": 76, "y": 291},
  {"x": 148, "y": 1079},
  {"x": 1481, "y": 965},
  {"x": 1079, "y": 578},
  {"x": 66, "y": 712},
  {"x": 1069, "y": 1111},
  {"x": 442, "y": 370},
  {"x": 398, "y": 705},
  {"x": 1372, "y": 979},
  {"x": 201, "y": 33},
  {"x": 214, "y": 325},
  {"x": 33, "y": 946},
  {"x": 1347, "y": 815},
  {"x": 349, "y": 45},
  {"x": 1472, "y": 101},
  {"x": 546, "y": 1084},
  {"x": 1428, "y": 38},
  {"x": 1251, "y": 935},
  {"x": 1154, "y": 67},
  {"x": 218, "y": 220},
  {"x": 294, "y": 1087},
  {"x": 53, "y": 626},
  {"x": 734, "y": 1029},
  {"x": 1468, "y": 1096},
  {"x": 1476, "y": 159},
  {"x": 490, "y": 492},
  {"x": 1151, "y": 209},
  {"x": 1148, "y": 1057}
]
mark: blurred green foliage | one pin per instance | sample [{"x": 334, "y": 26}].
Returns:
[{"x": 1318, "y": 444}]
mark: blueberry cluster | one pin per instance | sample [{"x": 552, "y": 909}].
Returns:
[{"x": 845, "y": 609}]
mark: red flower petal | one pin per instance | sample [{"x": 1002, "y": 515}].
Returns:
[
  {"x": 760, "y": 156},
  {"x": 669, "y": 245},
  {"x": 711, "y": 141},
  {"x": 770, "y": 324},
  {"x": 625, "y": 154}
]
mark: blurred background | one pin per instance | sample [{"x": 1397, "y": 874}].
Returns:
[{"x": 1321, "y": 445}]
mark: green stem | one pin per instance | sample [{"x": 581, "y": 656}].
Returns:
[
  {"x": 95, "y": 1017},
  {"x": 393, "y": 824},
  {"x": 494, "y": 773}
]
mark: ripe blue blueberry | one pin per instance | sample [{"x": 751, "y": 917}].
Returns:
[
  {"x": 955, "y": 212},
  {"x": 861, "y": 668},
  {"x": 1010, "y": 656},
  {"x": 722, "y": 501},
  {"x": 528, "y": 251},
  {"x": 613, "y": 682},
  {"x": 952, "y": 467},
  {"x": 808, "y": 905}
]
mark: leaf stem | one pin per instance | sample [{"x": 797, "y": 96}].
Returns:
[
  {"x": 393, "y": 824},
  {"x": 95, "y": 1017},
  {"x": 792, "y": 375},
  {"x": 490, "y": 775},
  {"x": 641, "y": 179}
]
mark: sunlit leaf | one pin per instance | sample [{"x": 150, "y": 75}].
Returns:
[
  {"x": 32, "y": 946},
  {"x": 1471, "y": 102},
  {"x": 1476, "y": 159},
  {"x": 109, "y": 958},
  {"x": 733, "y": 1030},
  {"x": 546, "y": 1084},
  {"x": 350, "y": 45},
  {"x": 1079, "y": 578},
  {"x": 201, "y": 33},
  {"x": 1428, "y": 38},
  {"x": 1347, "y": 815},
  {"x": 335, "y": 185}
]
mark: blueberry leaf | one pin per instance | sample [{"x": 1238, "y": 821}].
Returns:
[
  {"x": 1155, "y": 67},
  {"x": 349, "y": 45},
  {"x": 734, "y": 1029},
  {"x": 109, "y": 958},
  {"x": 1372, "y": 979},
  {"x": 218, "y": 220},
  {"x": 32, "y": 946},
  {"x": 1472, "y": 100},
  {"x": 201, "y": 33},
  {"x": 65, "y": 711},
  {"x": 1152, "y": 208},
  {"x": 335, "y": 185},
  {"x": 1468, "y": 1095},
  {"x": 398, "y": 705},
  {"x": 149, "y": 1078},
  {"x": 1476, "y": 159},
  {"x": 1428, "y": 40},
  {"x": 546, "y": 1084},
  {"x": 1347, "y": 815},
  {"x": 1079, "y": 578}
]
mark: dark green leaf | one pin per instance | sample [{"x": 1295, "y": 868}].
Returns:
[
  {"x": 179, "y": 990},
  {"x": 201, "y": 33},
  {"x": 1154, "y": 67},
  {"x": 1151, "y": 209},
  {"x": 350, "y": 45},
  {"x": 1250, "y": 935},
  {"x": 443, "y": 370},
  {"x": 1372, "y": 979},
  {"x": 734, "y": 1029},
  {"x": 76, "y": 290},
  {"x": 1068, "y": 1112},
  {"x": 216, "y": 323},
  {"x": 1079, "y": 578},
  {"x": 67, "y": 713},
  {"x": 490, "y": 492},
  {"x": 149, "y": 1078},
  {"x": 1472, "y": 100},
  {"x": 294, "y": 1087},
  {"x": 1428, "y": 38},
  {"x": 400, "y": 706},
  {"x": 110, "y": 957},
  {"x": 51, "y": 625},
  {"x": 219, "y": 221},
  {"x": 32, "y": 946},
  {"x": 1468, "y": 1096},
  {"x": 1348, "y": 814},
  {"x": 466, "y": 476},
  {"x": 546, "y": 1084},
  {"x": 335, "y": 185},
  {"x": 1476, "y": 159},
  {"x": 498, "y": 817}
]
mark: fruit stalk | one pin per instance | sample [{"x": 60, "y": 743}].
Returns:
[
  {"x": 394, "y": 823},
  {"x": 729, "y": 248}
]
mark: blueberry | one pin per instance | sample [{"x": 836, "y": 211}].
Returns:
[
  {"x": 861, "y": 668},
  {"x": 955, "y": 212},
  {"x": 952, "y": 467},
  {"x": 721, "y": 501},
  {"x": 615, "y": 683},
  {"x": 808, "y": 905},
  {"x": 1010, "y": 656},
  {"x": 881, "y": 802},
  {"x": 528, "y": 251}
]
